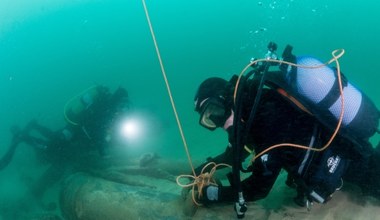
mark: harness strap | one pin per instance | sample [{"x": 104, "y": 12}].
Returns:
[{"x": 301, "y": 168}]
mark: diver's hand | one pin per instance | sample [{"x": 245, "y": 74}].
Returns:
[{"x": 197, "y": 171}]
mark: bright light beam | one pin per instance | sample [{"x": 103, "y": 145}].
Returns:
[{"x": 131, "y": 129}]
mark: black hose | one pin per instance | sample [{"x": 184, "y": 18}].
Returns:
[
  {"x": 240, "y": 132},
  {"x": 256, "y": 104},
  {"x": 237, "y": 146}
]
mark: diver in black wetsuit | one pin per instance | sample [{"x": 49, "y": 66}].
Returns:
[
  {"x": 90, "y": 120},
  {"x": 315, "y": 175}
]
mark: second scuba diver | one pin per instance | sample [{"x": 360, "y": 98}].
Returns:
[{"x": 91, "y": 118}]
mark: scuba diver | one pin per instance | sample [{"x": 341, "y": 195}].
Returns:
[
  {"x": 91, "y": 119},
  {"x": 294, "y": 105}
]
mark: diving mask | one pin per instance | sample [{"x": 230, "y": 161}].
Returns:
[{"x": 212, "y": 113}]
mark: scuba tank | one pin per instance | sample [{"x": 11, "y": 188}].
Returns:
[
  {"x": 77, "y": 105},
  {"x": 317, "y": 89}
]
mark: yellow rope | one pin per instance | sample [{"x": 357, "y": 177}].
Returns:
[
  {"x": 168, "y": 87},
  {"x": 204, "y": 179}
]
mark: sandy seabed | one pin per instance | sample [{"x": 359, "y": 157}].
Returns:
[
  {"x": 154, "y": 194},
  {"x": 132, "y": 192}
]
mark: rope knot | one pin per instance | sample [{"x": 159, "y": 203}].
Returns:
[{"x": 202, "y": 180}]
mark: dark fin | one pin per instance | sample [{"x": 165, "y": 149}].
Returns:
[
  {"x": 17, "y": 137},
  {"x": 7, "y": 158}
]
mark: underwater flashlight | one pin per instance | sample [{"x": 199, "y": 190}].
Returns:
[
  {"x": 131, "y": 129},
  {"x": 136, "y": 129}
]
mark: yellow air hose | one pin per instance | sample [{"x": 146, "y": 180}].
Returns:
[
  {"x": 65, "y": 109},
  {"x": 336, "y": 54}
]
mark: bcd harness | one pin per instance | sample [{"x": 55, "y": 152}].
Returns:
[{"x": 361, "y": 120}]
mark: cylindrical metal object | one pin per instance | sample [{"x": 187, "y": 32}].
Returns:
[{"x": 87, "y": 197}]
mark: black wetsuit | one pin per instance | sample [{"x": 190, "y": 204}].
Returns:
[{"x": 316, "y": 174}]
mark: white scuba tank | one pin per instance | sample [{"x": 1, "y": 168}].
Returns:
[{"x": 318, "y": 90}]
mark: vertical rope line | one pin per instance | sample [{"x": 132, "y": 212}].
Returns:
[{"x": 168, "y": 87}]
